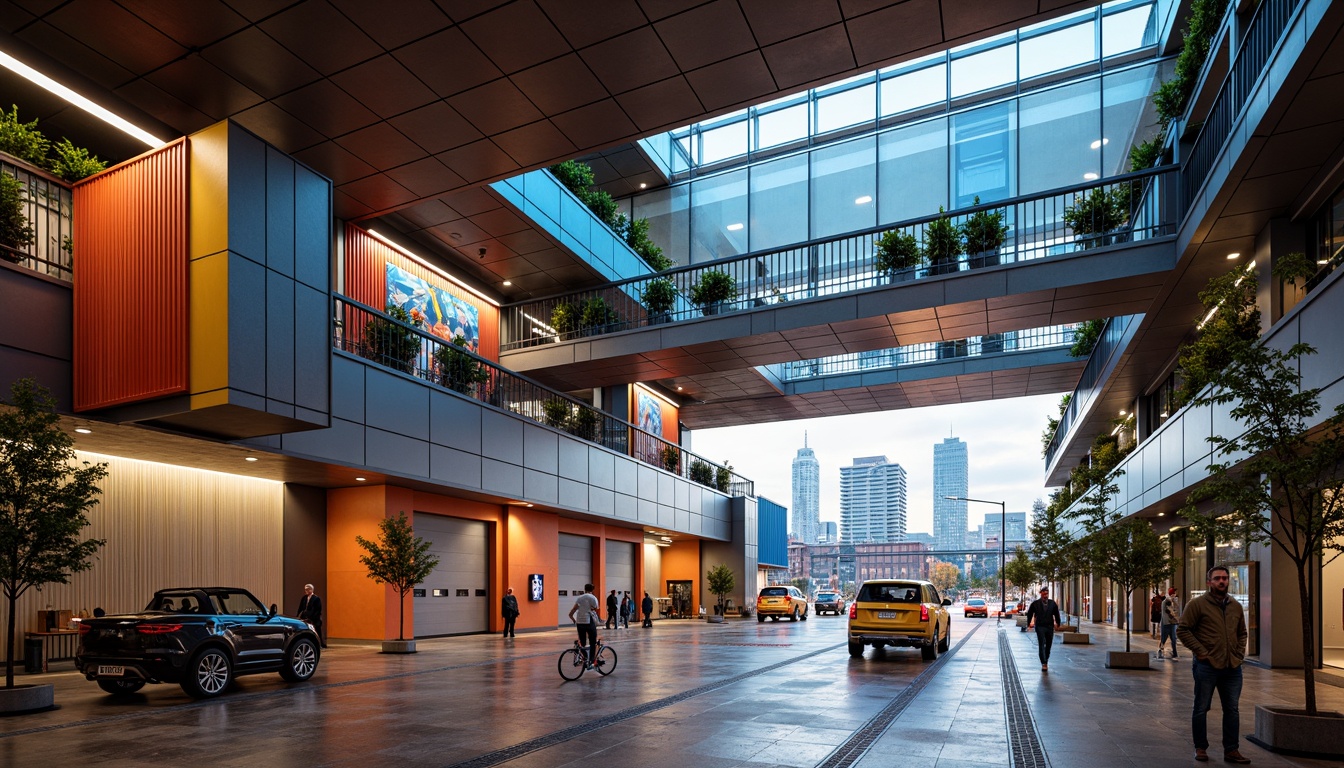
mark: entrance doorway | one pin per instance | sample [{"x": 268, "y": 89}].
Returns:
[{"x": 680, "y": 592}]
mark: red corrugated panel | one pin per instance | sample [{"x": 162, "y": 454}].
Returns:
[
  {"x": 366, "y": 260},
  {"x": 130, "y": 281}
]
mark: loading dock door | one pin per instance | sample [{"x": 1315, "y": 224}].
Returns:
[
  {"x": 621, "y": 571},
  {"x": 576, "y": 569},
  {"x": 456, "y": 597}
]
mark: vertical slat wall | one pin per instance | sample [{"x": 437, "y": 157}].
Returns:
[
  {"x": 130, "y": 283},
  {"x": 169, "y": 526},
  {"x": 366, "y": 262}
]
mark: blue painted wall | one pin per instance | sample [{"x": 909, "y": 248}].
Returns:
[{"x": 772, "y": 533}]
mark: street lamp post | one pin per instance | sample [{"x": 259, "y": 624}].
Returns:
[{"x": 1003, "y": 558}]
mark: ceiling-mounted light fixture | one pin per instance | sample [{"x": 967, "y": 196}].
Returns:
[
  {"x": 1235, "y": 255},
  {"x": 507, "y": 283},
  {"x": 359, "y": 479},
  {"x": 250, "y": 458},
  {"x": 864, "y": 200},
  {"x": 1090, "y": 176},
  {"x": 735, "y": 226},
  {"x": 1099, "y": 143},
  {"x": 431, "y": 267},
  {"x": 83, "y": 431},
  {"x": 120, "y": 123}
]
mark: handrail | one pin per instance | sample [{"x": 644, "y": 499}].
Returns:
[
  {"x": 48, "y": 208},
  {"x": 365, "y": 332},
  {"x": 1259, "y": 41},
  {"x": 1109, "y": 343},
  {"x": 1036, "y": 229}
]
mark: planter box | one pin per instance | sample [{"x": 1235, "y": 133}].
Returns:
[
  {"x": 27, "y": 698},
  {"x": 1077, "y": 638},
  {"x": 1127, "y": 660},
  {"x": 1293, "y": 732},
  {"x": 398, "y": 646}
]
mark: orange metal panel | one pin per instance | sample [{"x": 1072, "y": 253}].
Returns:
[{"x": 130, "y": 282}]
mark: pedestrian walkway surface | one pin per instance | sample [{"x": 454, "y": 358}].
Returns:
[{"x": 685, "y": 693}]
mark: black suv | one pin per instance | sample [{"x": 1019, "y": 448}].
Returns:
[
  {"x": 834, "y": 602},
  {"x": 198, "y": 637}
]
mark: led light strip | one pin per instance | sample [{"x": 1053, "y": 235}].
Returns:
[
  {"x": 28, "y": 73},
  {"x": 431, "y": 267}
]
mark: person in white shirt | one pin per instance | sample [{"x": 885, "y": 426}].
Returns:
[{"x": 585, "y": 615}]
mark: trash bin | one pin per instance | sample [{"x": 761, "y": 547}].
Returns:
[{"x": 32, "y": 654}]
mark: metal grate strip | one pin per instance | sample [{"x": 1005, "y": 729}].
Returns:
[{"x": 1023, "y": 740}]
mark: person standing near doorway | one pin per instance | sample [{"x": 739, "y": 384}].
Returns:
[
  {"x": 626, "y": 609},
  {"x": 310, "y": 610},
  {"x": 1044, "y": 614},
  {"x": 509, "y": 607},
  {"x": 1155, "y": 612},
  {"x": 1213, "y": 627},
  {"x": 612, "y": 618},
  {"x": 585, "y": 614},
  {"x": 646, "y": 606},
  {"x": 1171, "y": 616}
]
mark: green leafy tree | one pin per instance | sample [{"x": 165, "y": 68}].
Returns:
[
  {"x": 399, "y": 559},
  {"x": 1020, "y": 571},
  {"x": 944, "y": 576},
  {"x": 1131, "y": 555},
  {"x": 15, "y": 231},
  {"x": 1231, "y": 320},
  {"x": 1085, "y": 337},
  {"x": 1051, "y": 541},
  {"x": 1052, "y": 425},
  {"x": 45, "y": 496},
  {"x": 721, "y": 582}
]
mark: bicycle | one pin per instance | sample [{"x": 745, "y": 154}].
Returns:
[{"x": 573, "y": 661}]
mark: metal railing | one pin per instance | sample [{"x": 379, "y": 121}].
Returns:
[
  {"x": 48, "y": 207},
  {"x": 1049, "y": 337},
  {"x": 1132, "y": 207},
  {"x": 364, "y": 331},
  {"x": 1259, "y": 41},
  {"x": 1111, "y": 342}
]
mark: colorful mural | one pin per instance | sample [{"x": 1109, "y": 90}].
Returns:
[
  {"x": 444, "y": 315},
  {"x": 650, "y": 413}
]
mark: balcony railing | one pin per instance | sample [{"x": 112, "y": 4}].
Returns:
[
  {"x": 1259, "y": 41},
  {"x": 1113, "y": 340},
  {"x": 361, "y": 330},
  {"x": 47, "y": 207},
  {"x": 1049, "y": 337},
  {"x": 1127, "y": 208}
]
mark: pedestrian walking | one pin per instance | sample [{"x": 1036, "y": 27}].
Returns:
[
  {"x": 646, "y": 607},
  {"x": 1171, "y": 616},
  {"x": 626, "y": 607},
  {"x": 1155, "y": 612},
  {"x": 509, "y": 607},
  {"x": 1213, "y": 628},
  {"x": 310, "y": 610},
  {"x": 612, "y": 619},
  {"x": 1043, "y": 613}
]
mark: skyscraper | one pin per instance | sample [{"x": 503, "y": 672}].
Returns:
[
  {"x": 872, "y": 501},
  {"x": 806, "y": 494},
  {"x": 950, "y": 478}
]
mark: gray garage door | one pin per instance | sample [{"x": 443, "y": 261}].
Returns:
[
  {"x": 456, "y": 596},
  {"x": 576, "y": 569},
  {"x": 621, "y": 571}
]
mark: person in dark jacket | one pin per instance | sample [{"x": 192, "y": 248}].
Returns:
[
  {"x": 646, "y": 607},
  {"x": 509, "y": 607},
  {"x": 1213, "y": 627},
  {"x": 1044, "y": 614},
  {"x": 310, "y": 610},
  {"x": 627, "y": 608},
  {"x": 613, "y": 604}
]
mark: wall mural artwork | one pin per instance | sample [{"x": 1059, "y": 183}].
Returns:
[
  {"x": 650, "y": 414},
  {"x": 444, "y": 315}
]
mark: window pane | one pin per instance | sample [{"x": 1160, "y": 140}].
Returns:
[
  {"x": 779, "y": 203},
  {"x": 982, "y": 155},
  {"x": 669, "y": 215},
  {"x": 981, "y": 71},
  {"x": 781, "y": 126},
  {"x": 719, "y": 216},
  {"x": 844, "y": 181},
  {"x": 1127, "y": 116},
  {"x": 1127, "y": 31},
  {"x": 1059, "y": 49},
  {"x": 914, "y": 89},
  {"x": 724, "y": 142},
  {"x": 912, "y": 171},
  {"x": 841, "y": 110},
  {"x": 1060, "y": 137}
]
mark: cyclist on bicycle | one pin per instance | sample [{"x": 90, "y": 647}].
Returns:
[{"x": 585, "y": 614}]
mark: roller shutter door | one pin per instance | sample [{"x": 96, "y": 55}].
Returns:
[
  {"x": 576, "y": 569},
  {"x": 456, "y": 596},
  {"x": 621, "y": 572}
]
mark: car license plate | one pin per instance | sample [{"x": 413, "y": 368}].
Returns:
[
  {"x": 886, "y": 614},
  {"x": 111, "y": 671}
]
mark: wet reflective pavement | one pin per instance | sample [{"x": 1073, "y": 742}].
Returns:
[{"x": 685, "y": 693}]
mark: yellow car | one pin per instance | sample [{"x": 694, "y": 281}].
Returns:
[
  {"x": 779, "y": 601},
  {"x": 903, "y": 613}
]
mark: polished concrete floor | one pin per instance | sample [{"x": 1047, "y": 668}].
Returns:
[{"x": 684, "y": 693}]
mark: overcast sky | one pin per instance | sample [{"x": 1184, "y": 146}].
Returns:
[{"x": 1003, "y": 440}]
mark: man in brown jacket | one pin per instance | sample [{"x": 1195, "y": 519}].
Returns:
[{"x": 1213, "y": 627}]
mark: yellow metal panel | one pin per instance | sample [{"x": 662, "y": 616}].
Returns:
[
  {"x": 209, "y": 323},
  {"x": 209, "y": 201}
]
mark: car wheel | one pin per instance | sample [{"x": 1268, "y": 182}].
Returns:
[
  {"x": 804, "y": 614},
  {"x": 930, "y": 651},
  {"x": 855, "y": 649},
  {"x": 121, "y": 687},
  {"x": 793, "y": 616},
  {"x": 300, "y": 661},
  {"x": 208, "y": 674},
  {"x": 947, "y": 638},
  {"x": 760, "y": 619}
]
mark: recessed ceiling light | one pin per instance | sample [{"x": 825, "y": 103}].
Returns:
[
  {"x": 83, "y": 431},
  {"x": 678, "y": 389},
  {"x": 529, "y": 506},
  {"x": 1320, "y": 262},
  {"x": 1161, "y": 514},
  {"x": 864, "y": 200},
  {"x": 665, "y": 538},
  {"x": 508, "y": 282},
  {"x": 250, "y": 458},
  {"x": 359, "y": 479},
  {"x": 1236, "y": 255},
  {"x": 1122, "y": 411},
  {"x": 642, "y": 185},
  {"x": 1099, "y": 143},
  {"x": 1090, "y": 176},
  {"x": 735, "y": 226}
]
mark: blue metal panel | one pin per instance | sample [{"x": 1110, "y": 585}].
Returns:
[{"x": 772, "y": 533}]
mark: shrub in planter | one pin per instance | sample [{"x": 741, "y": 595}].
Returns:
[
  {"x": 586, "y": 424},
  {"x": 596, "y": 315},
  {"x": 723, "y": 476},
  {"x": 713, "y": 290},
  {"x": 943, "y": 244},
  {"x": 22, "y": 140},
  {"x": 565, "y": 319},
  {"x": 702, "y": 473},
  {"x": 557, "y": 413},
  {"x": 15, "y": 231},
  {"x": 458, "y": 369},
  {"x": 985, "y": 233},
  {"x": 670, "y": 456},
  {"x": 1085, "y": 337},
  {"x": 1096, "y": 215},
  {"x": 389, "y": 341},
  {"x": 74, "y": 163},
  {"x": 897, "y": 254},
  {"x": 659, "y": 296}
]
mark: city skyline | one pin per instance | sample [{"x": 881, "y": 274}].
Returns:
[{"x": 951, "y": 478}]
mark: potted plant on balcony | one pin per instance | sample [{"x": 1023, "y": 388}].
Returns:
[
  {"x": 701, "y": 472},
  {"x": 15, "y": 231},
  {"x": 565, "y": 319},
  {"x": 45, "y": 496},
  {"x": 596, "y": 316},
  {"x": 659, "y": 296},
  {"x": 586, "y": 424},
  {"x": 557, "y": 412},
  {"x": 459, "y": 370},
  {"x": 897, "y": 255},
  {"x": 1096, "y": 217},
  {"x": 670, "y": 456},
  {"x": 392, "y": 340},
  {"x": 713, "y": 291},
  {"x": 399, "y": 559},
  {"x": 985, "y": 233},
  {"x": 723, "y": 477},
  {"x": 943, "y": 245}
]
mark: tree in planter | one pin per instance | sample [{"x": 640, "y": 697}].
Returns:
[
  {"x": 392, "y": 340},
  {"x": 1131, "y": 555},
  {"x": 1051, "y": 541},
  {"x": 713, "y": 290},
  {"x": 943, "y": 244},
  {"x": 702, "y": 473},
  {"x": 1020, "y": 571},
  {"x": 985, "y": 233},
  {"x": 723, "y": 477},
  {"x": 659, "y": 296},
  {"x": 670, "y": 456},
  {"x": 459, "y": 370},
  {"x": 1085, "y": 337},
  {"x": 399, "y": 559},
  {"x": 896, "y": 254},
  {"x": 596, "y": 316},
  {"x": 557, "y": 413},
  {"x": 44, "y": 501},
  {"x": 565, "y": 319},
  {"x": 721, "y": 583},
  {"x": 1094, "y": 216},
  {"x": 15, "y": 231},
  {"x": 1290, "y": 492},
  {"x": 585, "y": 424}
]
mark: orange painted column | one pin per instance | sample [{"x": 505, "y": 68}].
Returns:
[
  {"x": 681, "y": 562},
  {"x": 356, "y": 606},
  {"x": 533, "y": 546}
]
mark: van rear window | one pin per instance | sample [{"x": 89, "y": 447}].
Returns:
[{"x": 890, "y": 593}]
